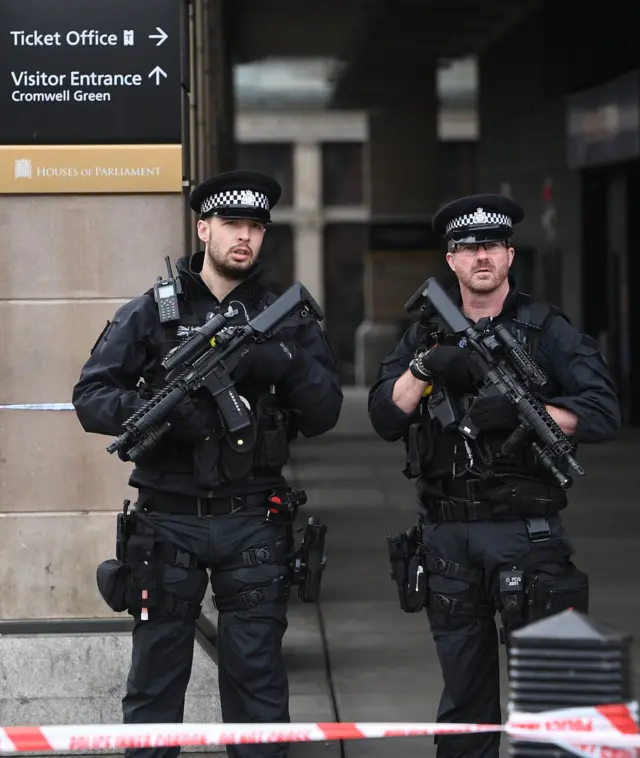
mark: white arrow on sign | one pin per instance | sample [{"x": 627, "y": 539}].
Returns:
[
  {"x": 160, "y": 37},
  {"x": 157, "y": 72}
]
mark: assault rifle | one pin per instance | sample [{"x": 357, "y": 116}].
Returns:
[
  {"x": 204, "y": 360},
  {"x": 507, "y": 370}
]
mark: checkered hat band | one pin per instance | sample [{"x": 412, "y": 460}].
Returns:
[
  {"x": 470, "y": 219},
  {"x": 230, "y": 198}
]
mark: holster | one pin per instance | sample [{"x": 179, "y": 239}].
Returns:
[
  {"x": 408, "y": 571},
  {"x": 133, "y": 580},
  {"x": 113, "y": 576},
  {"x": 125, "y": 527},
  {"x": 309, "y": 561}
]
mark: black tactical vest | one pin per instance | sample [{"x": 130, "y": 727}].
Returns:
[
  {"x": 451, "y": 467},
  {"x": 212, "y": 464}
]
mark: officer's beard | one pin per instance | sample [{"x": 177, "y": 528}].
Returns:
[
  {"x": 225, "y": 267},
  {"x": 487, "y": 282}
]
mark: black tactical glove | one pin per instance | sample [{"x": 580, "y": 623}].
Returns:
[
  {"x": 493, "y": 414},
  {"x": 191, "y": 420},
  {"x": 266, "y": 362},
  {"x": 455, "y": 367}
]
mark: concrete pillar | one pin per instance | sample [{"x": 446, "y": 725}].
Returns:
[
  {"x": 211, "y": 101},
  {"x": 69, "y": 261},
  {"x": 220, "y": 100},
  {"x": 308, "y": 228},
  {"x": 401, "y": 188}
]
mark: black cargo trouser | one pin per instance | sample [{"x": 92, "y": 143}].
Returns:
[
  {"x": 463, "y": 601},
  {"x": 252, "y": 678}
]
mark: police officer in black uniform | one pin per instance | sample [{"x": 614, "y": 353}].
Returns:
[
  {"x": 482, "y": 520},
  {"x": 200, "y": 514}
]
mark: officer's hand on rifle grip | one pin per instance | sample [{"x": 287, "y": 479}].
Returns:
[
  {"x": 267, "y": 361},
  {"x": 493, "y": 414},
  {"x": 454, "y": 366},
  {"x": 189, "y": 423}
]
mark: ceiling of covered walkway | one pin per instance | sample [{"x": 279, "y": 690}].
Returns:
[{"x": 375, "y": 50}]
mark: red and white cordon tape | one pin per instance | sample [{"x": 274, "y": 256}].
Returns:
[
  {"x": 603, "y": 731},
  {"x": 608, "y": 731}
]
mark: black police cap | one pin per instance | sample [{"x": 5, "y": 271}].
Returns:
[
  {"x": 477, "y": 219},
  {"x": 237, "y": 194}
]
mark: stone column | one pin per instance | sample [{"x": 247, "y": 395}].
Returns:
[
  {"x": 220, "y": 100},
  {"x": 69, "y": 262},
  {"x": 308, "y": 228},
  {"x": 211, "y": 142},
  {"x": 402, "y": 189}
]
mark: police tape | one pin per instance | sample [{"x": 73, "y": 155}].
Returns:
[
  {"x": 607, "y": 731},
  {"x": 37, "y": 407},
  {"x": 603, "y": 731}
]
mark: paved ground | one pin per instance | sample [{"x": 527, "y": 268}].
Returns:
[
  {"x": 358, "y": 657},
  {"x": 355, "y": 656}
]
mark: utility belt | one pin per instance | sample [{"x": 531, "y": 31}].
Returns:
[
  {"x": 477, "y": 510},
  {"x": 541, "y": 582},
  {"x": 133, "y": 581},
  {"x": 501, "y": 498},
  {"x": 203, "y": 507}
]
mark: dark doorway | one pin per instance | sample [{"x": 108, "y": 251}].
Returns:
[
  {"x": 633, "y": 272},
  {"x": 610, "y": 269},
  {"x": 344, "y": 246},
  {"x": 595, "y": 289}
]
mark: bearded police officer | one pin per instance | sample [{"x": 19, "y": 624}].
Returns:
[
  {"x": 483, "y": 518},
  {"x": 201, "y": 516}
]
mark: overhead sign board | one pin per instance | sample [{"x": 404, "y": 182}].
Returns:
[
  {"x": 90, "y": 72},
  {"x": 78, "y": 169}
]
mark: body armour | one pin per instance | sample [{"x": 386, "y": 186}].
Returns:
[
  {"x": 449, "y": 467},
  {"x": 210, "y": 468}
]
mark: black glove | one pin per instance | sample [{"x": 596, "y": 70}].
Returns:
[
  {"x": 454, "y": 366},
  {"x": 493, "y": 414},
  {"x": 190, "y": 421},
  {"x": 266, "y": 362}
]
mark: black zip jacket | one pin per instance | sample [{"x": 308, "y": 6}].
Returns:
[{"x": 130, "y": 350}]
